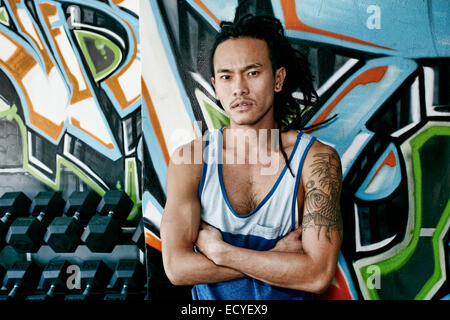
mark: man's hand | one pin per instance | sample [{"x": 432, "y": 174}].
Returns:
[
  {"x": 290, "y": 243},
  {"x": 209, "y": 241}
]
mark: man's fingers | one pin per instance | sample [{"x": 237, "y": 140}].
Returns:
[{"x": 297, "y": 232}]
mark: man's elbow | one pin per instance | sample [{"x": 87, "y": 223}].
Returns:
[
  {"x": 318, "y": 280},
  {"x": 173, "y": 272},
  {"x": 172, "y": 275},
  {"x": 322, "y": 282},
  {"x": 176, "y": 279},
  {"x": 321, "y": 286}
]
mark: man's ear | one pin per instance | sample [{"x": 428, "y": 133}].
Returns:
[
  {"x": 213, "y": 81},
  {"x": 280, "y": 75}
]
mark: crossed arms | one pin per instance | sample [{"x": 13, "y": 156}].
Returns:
[{"x": 308, "y": 264}]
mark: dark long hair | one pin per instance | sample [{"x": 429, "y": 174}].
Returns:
[{"x": 287, "y": 110}]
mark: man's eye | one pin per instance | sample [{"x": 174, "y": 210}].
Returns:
[
  {"x": 225, "y": 77},
  {"x": 253, "y": 73}
]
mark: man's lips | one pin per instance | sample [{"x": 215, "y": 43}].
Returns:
[{"x": 242, "y": 105}]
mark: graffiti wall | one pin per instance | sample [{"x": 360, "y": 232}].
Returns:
[
  {"x": 80, "y": 109},
  {"x": 70, "y": 96},
  {"x": 384, "y": 70}
]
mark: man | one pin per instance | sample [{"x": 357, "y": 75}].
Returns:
[{"x": 230, "y": 230}]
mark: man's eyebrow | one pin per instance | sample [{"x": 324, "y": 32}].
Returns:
[
  {"x": 252, "y": 66},
  {"x": 248, "y": 67},
  {"x": 223, "y": 70}
]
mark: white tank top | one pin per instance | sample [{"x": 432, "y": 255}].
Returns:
[{"x": 273, "y": 218}]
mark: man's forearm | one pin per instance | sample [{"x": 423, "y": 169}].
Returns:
[
  {"x": 192, "y": 268},
  {"x": 283, "y": 269}
]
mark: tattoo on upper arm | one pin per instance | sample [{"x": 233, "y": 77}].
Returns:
[{"x": 322, "y": 199}]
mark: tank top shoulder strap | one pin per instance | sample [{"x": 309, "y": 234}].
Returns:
[
  {"x": 211, "y": 155},
  {"x": 300, "y": 148},
  {"x": 213, "y": 145},
  {"x": 304, "y": 144}
]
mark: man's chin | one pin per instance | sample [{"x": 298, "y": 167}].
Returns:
[
  {"x": 247, "y": 118},
  {"x": 244, "y": 121}
]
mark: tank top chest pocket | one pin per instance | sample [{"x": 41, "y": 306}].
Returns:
[{"x": 265, "y": 231}]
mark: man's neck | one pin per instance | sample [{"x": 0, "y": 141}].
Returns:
[{"x": 250, "y": 144}]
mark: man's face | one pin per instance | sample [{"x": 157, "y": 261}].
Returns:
[{"x": 244, "y": 81}]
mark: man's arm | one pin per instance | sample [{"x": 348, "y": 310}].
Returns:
[
  {"x": 180, "y": 225},
  {"x": 313, "y": 268}
]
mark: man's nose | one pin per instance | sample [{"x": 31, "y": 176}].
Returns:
[{"x": 240, "y": 87}]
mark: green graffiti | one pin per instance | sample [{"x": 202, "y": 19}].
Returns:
[
  {"x": 215, "y": 117},
  {"x": 440, "y": 230},
  {"x": 4, "y": 18},
  {"x": 101, "y": 54},
  {"x": 132, "y": 187},
  {"x": 437, "y": 239},
  {"x": 218, "y": 119},
  {"x": 131, "y": 176},
  {"x": 11, "y": 115},
  {"x": 406, "y": 259}
]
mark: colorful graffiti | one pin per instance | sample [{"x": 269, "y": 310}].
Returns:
[
  {"x": 71, "y": 116},
  {"x": 70, "y": 96},
  {"x": 388, "y": 86}
]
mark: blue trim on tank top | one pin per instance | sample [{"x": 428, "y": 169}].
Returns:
[
  {"x": 274, "y": 187},
  {"x": 249, "y": 241},
  {"x": 204, "y": 168},
  {"x": 297, "y": 180}
]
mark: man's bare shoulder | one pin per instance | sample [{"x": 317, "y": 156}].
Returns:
[
  {"x": 189, "y": 154},
  {"x": 324, "y": 156},
  {"x": 320, "y": 147},
  {"x": 185, "y": 167}
]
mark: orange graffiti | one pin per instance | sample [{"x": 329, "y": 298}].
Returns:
[
  {"x": 38, "y": 42},
  {"x": 154, "y": 121},
  {"x": 77, "y": 124},
  {"x": 292, "y": 22},
  {"x": 207, "y": 11},
  {"x": 48, "y": 11},
  {"x": 113, "y": 81},
  {"x": 369, "y": 76},
  {"x": 153, "y": 241},
  {"x": 390, "y": 161},
  {"x": 18, "y": 65}
]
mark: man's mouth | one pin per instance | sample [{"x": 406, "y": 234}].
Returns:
[{"x": 242, "y": 105}]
